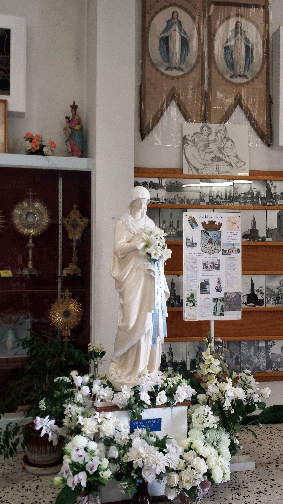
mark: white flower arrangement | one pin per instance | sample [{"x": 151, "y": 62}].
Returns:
[
  {"x": 231, "y": 396},
  {"x": 101, "y": 447},
  {"x": 155, "y": 245}
]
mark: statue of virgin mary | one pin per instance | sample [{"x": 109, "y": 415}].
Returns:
[{"x": 137, "y": 350}]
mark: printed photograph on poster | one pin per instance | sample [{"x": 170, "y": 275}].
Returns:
[
  {"x": 218, "y": 307},
  {"x": 253, "y": 225},
  {"x": 274, "y": 225},
  {"x": 250, "y": 192},
  {"x": 210, "y": 242},
  {"x": 211, "y": 266},
  {"x": 216, "y": 192},
  {"x": 175, "y": 284},
  {"x": 190, "y": 312},
  {"x": 231, "y": 248},
  {"x": 171, "y": 221},
  {"x": 216, "y": 286},
  {"x": 204, "y": 286},
  {"x": 274, "y": 290},
  {"x": 274, "y": 192},
  {"x": 232, "y": 301},
  {"x": 215, "y": 149},
  {"x": 156, "y": 187},
  {"x": 253, "y": 290}
]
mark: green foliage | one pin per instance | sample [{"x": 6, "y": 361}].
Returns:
[
  {"x": 9, "y": 439},
  {"x": 271, "y": 415},
  {"x": 67, "y": 496},
  {"x": 47, "y": 358}
]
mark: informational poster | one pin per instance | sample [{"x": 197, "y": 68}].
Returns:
[{"x": 212, "y": 269}]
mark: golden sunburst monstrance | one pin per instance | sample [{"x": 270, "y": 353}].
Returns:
[
  {"x": 30, "y": 217},
  {"x": 66, "y": 314}
]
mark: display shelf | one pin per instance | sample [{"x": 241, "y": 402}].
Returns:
[
  {"x": 43, "y": 162},
  {"x": 59, "y": 183}
]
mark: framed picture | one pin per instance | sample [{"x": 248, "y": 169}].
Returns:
[
  {"x": 3, "y": 126},
  {"x": 13, "y": 62},
  {"x": 215, "y": 149}
]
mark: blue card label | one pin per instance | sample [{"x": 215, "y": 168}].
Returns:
[{"x": 154, "y": 424}]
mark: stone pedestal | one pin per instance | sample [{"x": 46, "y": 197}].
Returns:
[{"x": 242, "y": 463}]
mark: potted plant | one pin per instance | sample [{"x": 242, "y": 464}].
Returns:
[{"x": 41, "y": 389}]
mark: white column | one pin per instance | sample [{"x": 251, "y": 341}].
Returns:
[{"x": 112, "y": 146}]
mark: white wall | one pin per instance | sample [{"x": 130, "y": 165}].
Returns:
[
  {"x": 113, "y": 151},
  {"x": 152, "y": 155},
  {"x": 56, "y": 68}
]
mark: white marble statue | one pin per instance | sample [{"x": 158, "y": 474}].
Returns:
[{"x": 137, "y": 350}]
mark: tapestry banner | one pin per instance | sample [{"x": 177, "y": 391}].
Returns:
[
  {"x": 172, "y": 60},
  {"x": 238, "y": 63}
]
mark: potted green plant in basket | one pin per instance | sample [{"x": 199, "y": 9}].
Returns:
[{"x": 39, "y": 391}]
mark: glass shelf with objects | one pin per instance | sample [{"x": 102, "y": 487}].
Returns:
[{"x": 42, "y": 255}]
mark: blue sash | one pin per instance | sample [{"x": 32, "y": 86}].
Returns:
[{"x": 160, "y": 308}]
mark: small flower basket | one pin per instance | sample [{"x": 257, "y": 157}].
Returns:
[
  {"x": 34, "y": 145},
  {"x": 40, "y": 451}
]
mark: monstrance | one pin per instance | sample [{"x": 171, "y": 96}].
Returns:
[
  {"x": 30, "y": 217},
  {"x": 74, "y": 225},
  {"x": 66, "y": 314}
]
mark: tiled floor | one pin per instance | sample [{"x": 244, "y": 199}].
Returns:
[{"x": 264, "y": 485}]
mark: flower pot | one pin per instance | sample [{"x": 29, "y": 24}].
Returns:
[
  {"x": 39, "y": 450},
  {"x": 91, "y": 498},
  {"x": 141, "y": 496}
]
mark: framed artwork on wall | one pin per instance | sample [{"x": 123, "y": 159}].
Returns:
[
  {"x": 3, "y": 126},
  {"x": 13, "y": 62}
]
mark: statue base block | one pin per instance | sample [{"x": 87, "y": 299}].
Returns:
[{"x": 242, "y": 463}]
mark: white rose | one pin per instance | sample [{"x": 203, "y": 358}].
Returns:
[
  {"x": 187, "y": 479},
  {"x": 77, "y": 380},
  {"x": 200, "y": 465},
  {"x": 106, "y": 474},
  {"x": 104, "y": 463},
  {"x": 85, "y": 390},
  {"x": 171, "y": 493},
  {"x": 265, "y": 392},
  {"x": 202, "y": 399},
  {"x": 85, "y": 379},
  {"x": 80, "y": 441},
  {"x": 172, "y": 479},
  {"x": 217, "y": 474}
]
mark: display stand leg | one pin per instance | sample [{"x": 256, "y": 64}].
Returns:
[{"x": 212, "y": 332}]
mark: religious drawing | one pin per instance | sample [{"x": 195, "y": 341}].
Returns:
[
  {"x": 5, "y": 59},
  {"x": 173, "y": 42},
  {"x": 238, "y": 50},
  {"x": 215, "y": 149}
]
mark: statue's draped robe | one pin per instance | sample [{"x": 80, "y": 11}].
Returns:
[{"x": 134, "y": 281}]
